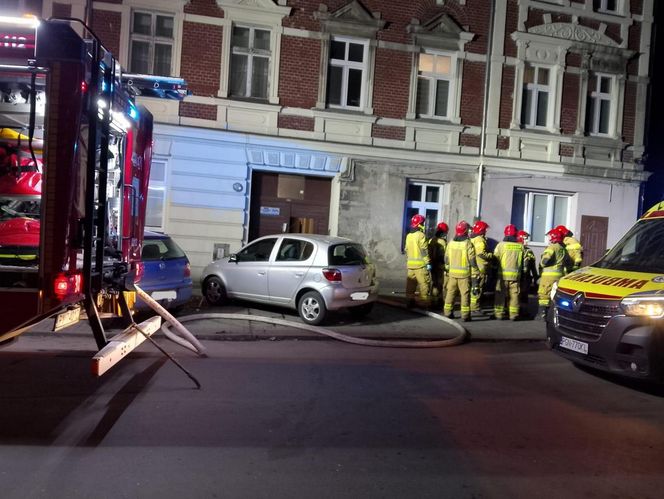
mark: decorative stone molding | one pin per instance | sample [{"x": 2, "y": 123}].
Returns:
[
  {"x": 262, "y": 6},
  {"x": 573, "y": 32},
  {"x": 352, "y": 19},
  {"x": 440, "y": 32}
]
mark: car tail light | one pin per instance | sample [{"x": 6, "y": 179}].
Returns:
[
  {"x": 140, "y": 271},
  {"x": 64, "y": 285},
  {"x": 187, "y": 270},
  {"x": 332, "y": 275}
]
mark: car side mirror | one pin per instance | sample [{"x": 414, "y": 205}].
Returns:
[{"x": 233, "y": 258}]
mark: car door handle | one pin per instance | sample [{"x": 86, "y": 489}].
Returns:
[
  {"x": 261, "y": 273},
  {"x": 299, "y": 274}
]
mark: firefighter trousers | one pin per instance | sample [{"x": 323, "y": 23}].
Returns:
[
  {"x": 507, "y": 296},
  {"x": 418, "y": 278},
  {"x": 438, "y": 284},
  {"x": 475, "y": 299},
  {"x": 462, "y": 286},
  {"x": 544, "y": 290}
]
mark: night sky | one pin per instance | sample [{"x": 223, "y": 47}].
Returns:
[{"x": 654, "y": 191}]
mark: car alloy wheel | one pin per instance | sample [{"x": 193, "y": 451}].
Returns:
[{"x": 312, "y": 308}]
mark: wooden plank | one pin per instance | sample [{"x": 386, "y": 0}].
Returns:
[{"x": 122, "y": 344}]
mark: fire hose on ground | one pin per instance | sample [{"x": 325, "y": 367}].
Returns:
[{"x": 188, "y": 340}]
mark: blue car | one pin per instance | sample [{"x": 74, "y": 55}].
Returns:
[{"x": 166, "y": 274}]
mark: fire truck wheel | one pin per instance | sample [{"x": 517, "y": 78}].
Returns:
[{"x": 214, "y": 291}]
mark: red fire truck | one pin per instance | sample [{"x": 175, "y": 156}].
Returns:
[{"x": 75, "y": 153}]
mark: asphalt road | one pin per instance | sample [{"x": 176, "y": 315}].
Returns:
[{"x": 322, "y": 419}]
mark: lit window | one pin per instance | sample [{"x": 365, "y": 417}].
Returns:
[
  {"x": 539, "y": 212},
  {"x": 536, "y": 96},
  {"x": 599, "y": 121},
  {"x": 250, "y": 62},
  {"x": 435, "y": 83},
  {"x": 427, "y": 200},
  {"x": 347, "y": 73},
  {"x": 151, "y": 44}
]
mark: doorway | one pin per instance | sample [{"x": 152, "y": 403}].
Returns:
[{"x": 288, "y": 203}]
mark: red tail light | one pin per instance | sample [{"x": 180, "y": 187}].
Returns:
[
  {"x": 64, "y": 285},
  {"x": 187, "y": 270},
  {"x": 140, "y": 271},
  {"x": 332, "y": 275}
]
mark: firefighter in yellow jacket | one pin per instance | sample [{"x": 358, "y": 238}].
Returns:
[
  {"x": 529, "y": 274},
  {"x": 437, "y": 246},
  {"x": 418, "y": 264},
  {"x": 509, "y": 255},
  {"x": 460, "y": 265},
  {"x": 573, "y": 248},
  {"x": 484, "y": 261},
  {"x": 552, "y": 268}
]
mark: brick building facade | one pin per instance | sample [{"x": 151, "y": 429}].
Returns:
[{"x": 536, "y": 118}]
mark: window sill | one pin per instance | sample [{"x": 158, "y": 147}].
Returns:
[{"x": 345, "y": 114}]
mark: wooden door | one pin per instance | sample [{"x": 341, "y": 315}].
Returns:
[{"x": 594, "y": 232}]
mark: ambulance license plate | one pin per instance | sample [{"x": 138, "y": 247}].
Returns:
[
  {"x": 574, "y": 345},
  {"x": 67, "y": 318}
]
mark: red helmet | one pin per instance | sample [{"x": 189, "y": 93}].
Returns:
[
  {"x": 555, "y": 236},
  {"x": 480, "y": 227},
  {"x": 510, "y": 230},
  {"x": 461, "y": 228},
  {"x": 416, "y": 221},
  {"x": 521, "y": 236},
  {"x": 563, "y": 230},
  {"x": 442, "y": 227}
]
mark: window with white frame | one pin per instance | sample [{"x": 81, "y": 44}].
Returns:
[
  {"x": 151, "y": 43},
  {"x": 427, "y": 200},
  {"x": 599, "y": 120},
  {"x": 610, "y": 6},
  {"x": 250, "y": 62},
  {"x": 435, "y": 85},
  {"x": 347, "y": 73},
  {"x": 537, "y": 96},
  {"x": 538, "y": 212},
  {"x": 154, "y": 216}
]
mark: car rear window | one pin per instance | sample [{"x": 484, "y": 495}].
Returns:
[
  {"x": 347, "y": 254},
  {"x": 161, "y": 249}
]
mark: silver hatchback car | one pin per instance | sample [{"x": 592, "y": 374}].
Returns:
[{"x": 308, "y": 272}]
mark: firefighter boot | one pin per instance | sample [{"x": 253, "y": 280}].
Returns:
[{"x": 541, "y": 313}]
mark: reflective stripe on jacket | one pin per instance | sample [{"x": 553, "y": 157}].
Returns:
[
  {"x": 510, "y": 260},
  {"x": 575, "y": 251},
  {"x": 417, "y": 250},
  {"x": 482, "y": 254},
  {"x": 460, "y": 258},
  {"x": 553, "y": 261}
]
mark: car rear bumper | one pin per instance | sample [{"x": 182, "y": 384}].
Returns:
[
  {"x": 164, "y": 294},
  {"x": 337, "y": 297}
]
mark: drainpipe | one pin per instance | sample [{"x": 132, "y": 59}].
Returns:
[{"x": 485, "y": 107}]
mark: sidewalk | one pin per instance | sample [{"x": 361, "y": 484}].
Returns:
[{"x": 388, "y": 320}]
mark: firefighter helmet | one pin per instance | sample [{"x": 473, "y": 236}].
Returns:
[
  {"x": 564, "y": 231},
  {"x": 416, "y": 221},
  {"x": 480, "y": 227},
  {"x": 521, "y": 236},
  {"x": 461, "y": 228},
  {"x": 555, "y": 236},
  {"x": 510, "y": 230},
  {"x": 442, "y": 227}
]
